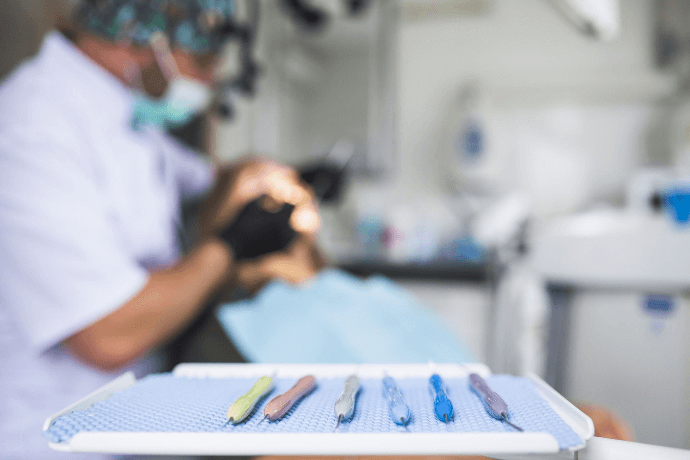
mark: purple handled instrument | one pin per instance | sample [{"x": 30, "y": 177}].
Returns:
[{"x": 493, "y": 403}]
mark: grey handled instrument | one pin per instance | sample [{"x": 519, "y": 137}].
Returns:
[{"x": 345, "y": 405}]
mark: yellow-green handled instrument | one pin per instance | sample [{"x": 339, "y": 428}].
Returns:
[{"x": 244, "y": 405}]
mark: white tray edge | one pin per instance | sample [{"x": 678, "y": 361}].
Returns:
[
  {"x": 574, "y": 417},
  {"x": 222, "y": 370},
  {"x": 315, "y": 443},
  {"x": 126, "y": 380}
]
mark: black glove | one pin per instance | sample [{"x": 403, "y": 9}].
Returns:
[
  {"x": 257, "y": 231},
  {"x": 325, "y": 179}
]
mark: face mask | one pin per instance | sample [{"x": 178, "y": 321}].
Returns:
[{"x": 183, "y": 99}]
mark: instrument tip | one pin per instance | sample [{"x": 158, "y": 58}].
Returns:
[
  {"x": 505, "y": 419},
  {"x": 340, "y": 417},
  {"x": 445, "y": 417},
  {"x": 402, "y": 419}
]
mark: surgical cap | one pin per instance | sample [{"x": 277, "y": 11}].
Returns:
[{"x": 198, "y": 26}]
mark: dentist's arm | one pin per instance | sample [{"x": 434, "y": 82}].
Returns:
[
  {"x": 175, "y": 296},
  {"x": 168, "y": 302}
]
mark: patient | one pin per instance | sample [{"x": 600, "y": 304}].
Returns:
[
  {"x": 321, "y": 314},
  {"x": 305, "y": 315}
]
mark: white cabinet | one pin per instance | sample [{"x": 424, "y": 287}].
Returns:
[
  {"x": 634, "y": 360},
  {"x": 463, "y": 305}
]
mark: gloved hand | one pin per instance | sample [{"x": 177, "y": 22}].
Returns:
[
  {"x": 256, "y": 231},
  {"x": 326, "y": 180},
  {"x": 237, "y": 184}
]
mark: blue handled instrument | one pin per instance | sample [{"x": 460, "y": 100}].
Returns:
[
  {"x": 493, "y": 403},
  {"x": 396, "y": 404},
  {"x": 442, "y": 405}
]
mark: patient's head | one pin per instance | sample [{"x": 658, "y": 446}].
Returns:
[
  {"x": 298, "y": 263},
  {"x": 249, "y": 178}
]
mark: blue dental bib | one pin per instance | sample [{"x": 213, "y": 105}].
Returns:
[{"x": 338, "y": 318}]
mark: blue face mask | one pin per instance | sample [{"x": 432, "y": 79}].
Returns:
[{"x": 183, "y": 99}]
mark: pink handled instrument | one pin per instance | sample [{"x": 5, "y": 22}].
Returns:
[{"x": 281, "y": 404}]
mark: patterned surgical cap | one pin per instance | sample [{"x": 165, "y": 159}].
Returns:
[{"x": 198, "y": 26}]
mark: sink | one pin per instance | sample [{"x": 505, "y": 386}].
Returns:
[{"x": 619, "y": 248}]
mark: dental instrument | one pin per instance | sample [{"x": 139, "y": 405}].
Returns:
[
  {"x": 244, "y": 405},
  {"x": 396, "y": 404},
  {"x": 281, "y": 404},
  {"x": 442, "y": 405},
  {"x": 493, "y": 403},
  {"x": 345, "y": 405}
]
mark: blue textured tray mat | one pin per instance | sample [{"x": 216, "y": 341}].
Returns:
[{"x": 164, "y": 403}]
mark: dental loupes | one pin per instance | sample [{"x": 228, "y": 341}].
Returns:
[
  {"x": 493, "y": 403},
  {"x": 442, "y": 405},
  {"x": 244, "y": 405},
  {"x": 345, "y": 405},
  {"x": 281, "y": 404},
  {"x": 396, "y": 404}
]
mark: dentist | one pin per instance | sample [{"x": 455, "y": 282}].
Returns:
[{"x": 91, "y": 275}]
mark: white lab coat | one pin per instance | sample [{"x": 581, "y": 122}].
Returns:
[{"x": 87, "y": 207}]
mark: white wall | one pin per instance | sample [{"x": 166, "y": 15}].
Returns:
[
  {"x": 329, "y": 115},
  {"x": 553, "y": 92}
]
